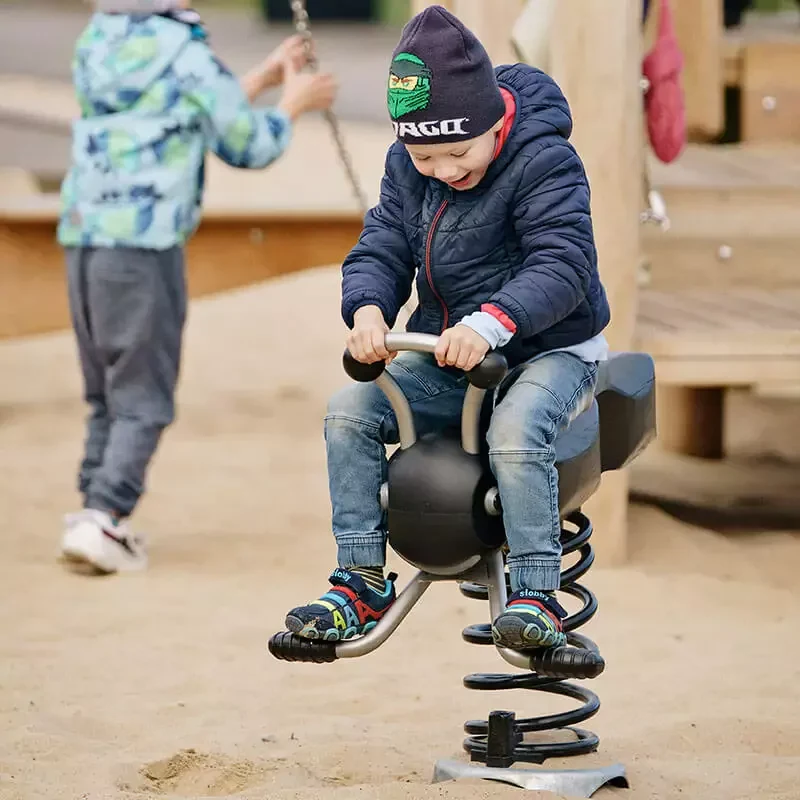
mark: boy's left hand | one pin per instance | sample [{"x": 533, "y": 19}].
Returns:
[
  {"x": 292, "y": 49},
  {"x": 461, "y": 347}
]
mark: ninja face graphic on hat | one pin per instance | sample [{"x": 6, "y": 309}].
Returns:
[{"x": 409, "y": 85}]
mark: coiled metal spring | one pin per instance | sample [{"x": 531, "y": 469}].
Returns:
[{"x": 499, "y": 741}]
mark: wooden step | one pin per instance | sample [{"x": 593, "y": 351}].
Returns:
[
  {"x": 673, "y": 261},
  {"x": 734, "y": 214}
]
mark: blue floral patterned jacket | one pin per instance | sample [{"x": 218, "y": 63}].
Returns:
[{"x": 154, "y": 99}]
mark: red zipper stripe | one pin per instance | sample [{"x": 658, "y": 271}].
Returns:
[{"x": 434, "y": 223}]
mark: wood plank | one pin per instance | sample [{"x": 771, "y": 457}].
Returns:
[
  {"x": 752, "y": 165},
  {"x": 224, "y": 254},
  {"x": 694, "y": 303},
  {"x": 674, "y": 261},
  {"x": 720, "y": 371},
  {"x": 738, "y": 308},
  {"x": 770, "y": 107},
  {"x": 698, "y": 27}
]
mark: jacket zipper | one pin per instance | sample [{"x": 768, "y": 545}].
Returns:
[{"x": 434, "y": 223}]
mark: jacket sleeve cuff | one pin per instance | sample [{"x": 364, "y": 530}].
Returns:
[
  {"x": 500, "y": 316},
  {"x": 489, "y": 327},
  {"x": 351, "y": 304}
]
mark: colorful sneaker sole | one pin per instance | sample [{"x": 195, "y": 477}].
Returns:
[
  {"x": 510, "y": 630},
  {"x": 308, "y": 631}
]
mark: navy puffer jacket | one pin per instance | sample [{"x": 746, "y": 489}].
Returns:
[{"x": 521, "y": 240}]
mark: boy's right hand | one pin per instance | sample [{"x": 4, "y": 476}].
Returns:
[
  {"x": 367, "y": 340},
  {"x": 304, "y": 92}
]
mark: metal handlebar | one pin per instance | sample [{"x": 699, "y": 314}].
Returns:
[{"x": 486, "y": 375}]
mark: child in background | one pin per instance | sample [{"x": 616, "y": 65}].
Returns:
[
  {"x": 154, "y": 99},
  {"x": 487, "y": 203}
]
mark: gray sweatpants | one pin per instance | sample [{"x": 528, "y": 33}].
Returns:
[{"x": 128, "y": 310}]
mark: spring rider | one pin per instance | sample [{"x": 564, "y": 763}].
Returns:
[{"x": 445, "y": 519}]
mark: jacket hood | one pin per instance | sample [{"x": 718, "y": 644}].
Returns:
[
  {"x": 542, "y": 109},
  {"x": 120, "y": 56}
]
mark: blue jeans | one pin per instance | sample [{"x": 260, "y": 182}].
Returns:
[{"x": 537, "y": 400}]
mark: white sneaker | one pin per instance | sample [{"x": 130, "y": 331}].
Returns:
[{"x": 91, "y": 537}]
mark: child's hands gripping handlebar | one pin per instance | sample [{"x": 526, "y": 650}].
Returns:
[
  {"x": 366, "y": 341},
  {"x": 487, "y": 374},
  {"x": 459, "y": 346}
]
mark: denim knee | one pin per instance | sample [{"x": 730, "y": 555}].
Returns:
[
  {"x": 359, "y": 402},
  {"x": 524, "y": 428}
]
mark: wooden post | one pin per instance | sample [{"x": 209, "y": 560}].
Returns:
[
  {"x": 698, "y": 27},
  {"x": 596, "y": 59},
  {"x": 421, "y": 5},
  {"x": 492, "y": 22},
  {"x": 691, "y": 420}
]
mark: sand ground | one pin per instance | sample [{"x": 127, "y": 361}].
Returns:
[{"x": 160, "y": 685}]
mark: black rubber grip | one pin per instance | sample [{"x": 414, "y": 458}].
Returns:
[
  {"x": 289, "y": 647},
  {"x": 490, "y": 372},
  {"x": 567, "y": 662},
  {"x": 363, "y": 373}
]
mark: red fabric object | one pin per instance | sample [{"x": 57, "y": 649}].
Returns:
[
  {"x": 500, "y": 316},
  {"x": 664, "y": 105},
  {"x": 508, "y": 121}
]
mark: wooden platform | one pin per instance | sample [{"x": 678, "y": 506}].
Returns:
[
  {"x": 707, "y": 341},
  {"x": 741, "y": 337}
]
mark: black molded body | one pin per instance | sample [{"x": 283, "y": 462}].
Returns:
[{"x": 436, "y": 514}]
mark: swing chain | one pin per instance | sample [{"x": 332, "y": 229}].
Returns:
[{"x": 302, "y": 27}]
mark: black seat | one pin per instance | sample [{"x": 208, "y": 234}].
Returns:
[{"x": 612, "y": 432}]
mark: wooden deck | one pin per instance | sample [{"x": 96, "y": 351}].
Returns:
[{"x": 740, "y": 337}]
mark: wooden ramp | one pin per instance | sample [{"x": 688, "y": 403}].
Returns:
[{"x": 297, "y": 214}]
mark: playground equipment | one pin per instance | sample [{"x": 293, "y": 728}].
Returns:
[
  {"x": 719, "y": 299},
  {"x": 444, "y": 517}
]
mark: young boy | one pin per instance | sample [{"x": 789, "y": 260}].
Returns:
[
  {"x": 153, "y": 98},
  {"x": 484, "y": 198}
]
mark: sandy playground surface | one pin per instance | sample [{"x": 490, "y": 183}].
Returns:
[{"x": 160, "y": 685}]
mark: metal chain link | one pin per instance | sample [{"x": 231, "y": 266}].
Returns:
[{"x": 301, "y": 25}]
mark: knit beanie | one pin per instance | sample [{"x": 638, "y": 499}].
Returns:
[{"x": 442, "y": 86}]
